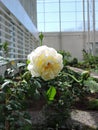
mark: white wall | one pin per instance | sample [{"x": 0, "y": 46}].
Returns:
[
  {"x": 72, "y": 42},
  {"x": 15, "y": 7}
]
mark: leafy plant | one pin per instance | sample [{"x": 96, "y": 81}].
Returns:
[
  {"x": 4, "y": 47},
  {"x": 92, "y": 85},
  {"x": 93, "y": 104},
  {"x": 11, "y": 100},
  {"x": 66, "y": 57},
  {"x": 20, "y": 91},
  {"x": 90, "y": 61}
]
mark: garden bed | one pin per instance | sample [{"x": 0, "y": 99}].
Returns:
[{"x": 65, "y": 99}]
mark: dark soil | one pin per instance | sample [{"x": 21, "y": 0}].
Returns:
[{"x": 83, "y": 104}]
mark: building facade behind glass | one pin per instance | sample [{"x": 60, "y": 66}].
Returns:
[
  {"x": 17, "y": 29},
  {"x": 31, "y": 8}
]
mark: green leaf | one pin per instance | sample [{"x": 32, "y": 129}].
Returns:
[
  {"x": 5, "y": 46},
  {"x": 92, "y": 85},
  {"x": 51, "y": 93},
  {"x": 9, "y": 107},
  {"x": 41, "y": 36},
  {"x": 7, "y": 82},
  {"x": 38, "y": 85},
  {"x": 6, "y": 86},
  {"x": 28, "y": 62},
  {"x": 36, "y": 94},
  {"x": 26, "y": 76},
  {"x": 21, "y": 65},
  {"x": 28, "y": 121}
]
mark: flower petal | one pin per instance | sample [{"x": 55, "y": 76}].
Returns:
[{"x": 45, "y": 62}]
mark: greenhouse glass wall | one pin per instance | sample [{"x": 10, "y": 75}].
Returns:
[{"x": 69, "y": 24}]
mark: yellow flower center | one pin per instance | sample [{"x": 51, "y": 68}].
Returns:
[{"x": 48, "y": 66}]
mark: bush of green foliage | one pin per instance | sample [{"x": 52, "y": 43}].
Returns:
[{"x": 19, "y": 89}]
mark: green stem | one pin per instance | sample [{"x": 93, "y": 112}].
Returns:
[
  {"x": 41, "y": 36},
  {"x": 78, "y": 81}
]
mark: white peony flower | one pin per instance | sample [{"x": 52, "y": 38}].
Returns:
[{"x": 45, "y": 62}]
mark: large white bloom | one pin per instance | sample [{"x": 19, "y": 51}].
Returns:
[{"x": 45, "y": 62}]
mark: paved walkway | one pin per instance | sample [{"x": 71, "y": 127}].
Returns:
[
  {"x": 86, "y": 118},
  {"x": 78, "y": 70},
  {"x": 80, "y": 118}
]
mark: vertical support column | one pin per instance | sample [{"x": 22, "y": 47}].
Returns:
[
  {"x": 94, "y": 46},
  {"x": 88, "y": 23},
  {"x": 60, "y": 35},
  {"x": 84, "y": 41},
  {"x": 44, "y": 14}
]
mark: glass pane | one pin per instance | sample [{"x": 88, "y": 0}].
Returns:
[
  {"x": 85, "y": 4},
  {"x": 51, "y": 1},
  {"x": 79, "y": 6},
  {"x": 40, "y": 27},
  {"x": 40, "y": 8},
  {"x": 40, "y": 17},
  {"x": 96, "y": 5},
  {"x": 79, "y": 26},
  {"x": 52, "y": 7},
  {"x": 70, "y": 0},
  {"x": 52, "y": 27},
  {"x": 40, "y": 1},
  {"x": 86, "y": 16},
  {"x": 68, "y": 16},
  {"x": 79, "y": 16},
  {"x": 96, "y": 20},
  {"x": 96, "y": 25},
  {"x": 96, "y": 16},
  {"x": 52, "y": 17},
  {"x": 65, "y": 7},
  {"x": 67, "y": 26}
]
